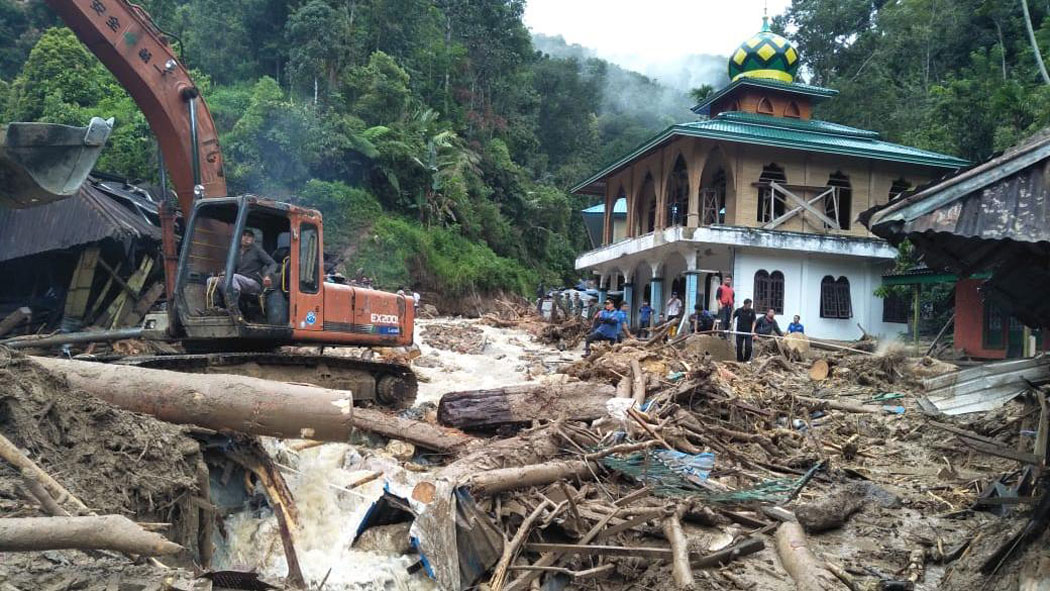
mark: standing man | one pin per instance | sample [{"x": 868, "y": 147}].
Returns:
[
  {"x": 674, "y": 307},
  {"x": 796, "y": 325},
  {"x": 725, "y": 296},
  {"x": 625, "y": 321},
  {"x": 767, "y": 324},
  {"x": 745, "y": 331},
  {"x": 645, "y": 316},
  {"x": 608, "y": 326}
]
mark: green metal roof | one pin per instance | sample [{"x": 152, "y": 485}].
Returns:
[
  {"x": 817, "y": 93},
  {"x": 781, "y": 132}
]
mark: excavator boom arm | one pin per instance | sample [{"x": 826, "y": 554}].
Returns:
[{"x": 127, "y": 42}]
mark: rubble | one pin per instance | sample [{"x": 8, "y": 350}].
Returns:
[{"x": 658, "y": 461}]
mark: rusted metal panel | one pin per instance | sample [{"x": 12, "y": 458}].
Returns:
[{"x": 94, "y": 213}]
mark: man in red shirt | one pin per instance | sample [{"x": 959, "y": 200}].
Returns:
[{"x": 725, "y": 298}]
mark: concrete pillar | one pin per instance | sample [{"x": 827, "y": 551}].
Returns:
[
  {"x": 691, "y": 286},
  {"x": 603, "y": 290},
  {"x": 628, "y": 296},
  {"x": 657, "y": 301}
]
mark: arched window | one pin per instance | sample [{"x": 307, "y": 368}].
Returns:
[
  {"x": 769, "y": 291},
  {"x": 765, "y": 107},
  {"x": 899, "y": 186},
  {"x": 770, "y": 204},
  {"x": 713, "y": 200},
  {"x": 793, "y": 111},
  {"x": 677, "y": 194},
  {"x": 645, "y": 208},
  {"x": 835, "y": 301},
  {"x": 838, "y": 205}
]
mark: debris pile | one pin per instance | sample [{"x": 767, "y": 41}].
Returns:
[
  {"x": 696, "y": 464},
  {"x": 458, "y": 338},
  {"x": 70, "y": 456},
  {"x": 649, "y": 461}
]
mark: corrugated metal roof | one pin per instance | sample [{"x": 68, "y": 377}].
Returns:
[
  {"x": 620, "y": 207},
  {"x": 795, "y": 134},
  {"x": 91, "y": 215},
  {"x": 994, "y": 217}
]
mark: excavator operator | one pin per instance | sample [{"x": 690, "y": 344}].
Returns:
[{"x": 253, "y": 272}]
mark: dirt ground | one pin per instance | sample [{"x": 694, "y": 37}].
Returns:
[{"x": 115, "y": 461}]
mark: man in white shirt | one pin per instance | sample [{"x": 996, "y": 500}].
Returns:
[{"x": 674, "y": 307}]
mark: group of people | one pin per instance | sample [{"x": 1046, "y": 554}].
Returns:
[{"x": 612, "y": 324}]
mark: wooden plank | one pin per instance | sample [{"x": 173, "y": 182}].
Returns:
[
  {"x": 787, "y": 216},
  {"x": 1008, "y": 501},
  {"x": 643, "y": 551},
  {"x": 1003, "y": 452},
  {"x": 80, "y": 284},
  {"x": 100, "y": 299},
  {"x": 135, "y": 316},
  {"x": 806, "y": 206},
  {"x": 117, "y": 309}
]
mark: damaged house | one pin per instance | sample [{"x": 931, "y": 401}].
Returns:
[
  {"x": 990, "y": 226},
  {"x": 89, "y": 260}
]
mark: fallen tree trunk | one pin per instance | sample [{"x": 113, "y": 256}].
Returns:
[
  {"x": 12, "y": 320},
  {"x": 808, "y": 572},
  {"x": 249, "y": 405},
  {"x": 504, "y": 479},
  {"x": 105, "y": 532},
  {"x": 579, "y": 401}
]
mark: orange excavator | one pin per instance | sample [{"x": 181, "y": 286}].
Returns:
[{"x": 300, "y": 308}]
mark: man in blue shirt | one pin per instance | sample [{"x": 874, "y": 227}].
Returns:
[
  {"x": 625, "y": 321},
  {"x": 645, "y": 315},
  {"x": 608, "y": 326},
  {"x": 795, "y": 325}
]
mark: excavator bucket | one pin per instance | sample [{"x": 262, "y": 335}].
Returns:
[{"x": 45, "y": 162}]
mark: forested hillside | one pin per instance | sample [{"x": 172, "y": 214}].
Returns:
[
  {"x": 433, "y": 136},
  {"x": 956, "y": 76},
  {"x": 439, "y": 142}
]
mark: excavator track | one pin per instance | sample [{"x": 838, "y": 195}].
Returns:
[{"x": 392, "y": 385}]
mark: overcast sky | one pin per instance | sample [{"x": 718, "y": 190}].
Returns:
[{"x": 638, "y": 34}]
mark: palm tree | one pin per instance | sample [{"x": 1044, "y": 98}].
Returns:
[{"x": 445, "y": 157}]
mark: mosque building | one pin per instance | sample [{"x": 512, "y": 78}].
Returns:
[{"x": 758, "y": 190}]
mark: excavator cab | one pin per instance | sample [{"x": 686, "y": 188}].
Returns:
[{"x": 297, "y": 307}]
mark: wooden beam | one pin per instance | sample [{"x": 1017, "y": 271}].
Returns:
[
  {"x": 780, "y": 220},
  {"x": 805, "y": 205},
  {"x": 643, "y": 551}
]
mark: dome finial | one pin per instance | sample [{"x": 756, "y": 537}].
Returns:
[{"x": 765, "y": 55}]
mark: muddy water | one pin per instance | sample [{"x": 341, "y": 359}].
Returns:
[{"x": 330, "y": 515}]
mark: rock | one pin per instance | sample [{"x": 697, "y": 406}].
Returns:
[
  {"x": 385, "y": 539},
  {"x": 400, "y": 450},
  {"x": 718, "y": 348},
  {"x": 833, "y": 510}
]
